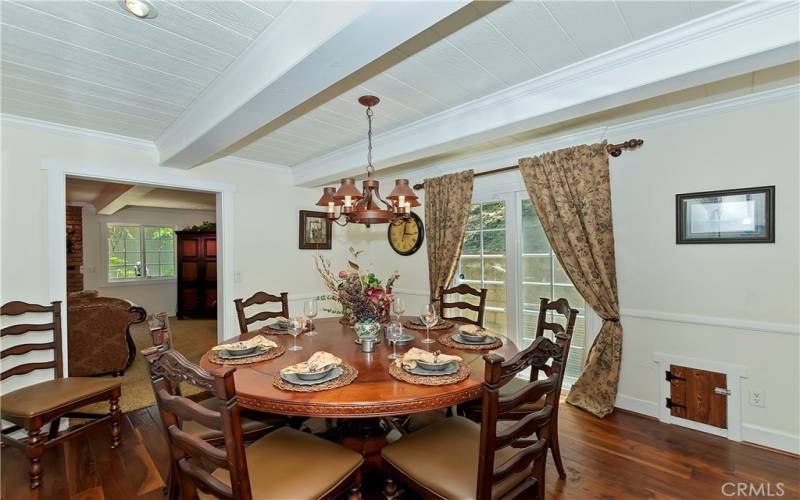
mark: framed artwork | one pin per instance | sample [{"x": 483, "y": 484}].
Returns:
[
  {"x": 728, "y": 216},
  {"x": 315, "y": 231}
]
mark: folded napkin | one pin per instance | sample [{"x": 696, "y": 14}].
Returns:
[
  {"x": 258, "y": 340},
  {"x": 475, "y": 329},
  {"x": 409, "y": 359},
  {"x": 281, "y": 319},
  {"x": 318, "y": 362}
]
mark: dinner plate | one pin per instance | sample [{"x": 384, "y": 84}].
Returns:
[
  {"x": 279, "y": 327},
  {"x": 405, "y": 339},
  {"x": 294, "y": 379},
  {"x": 461, "y": 340},
  {"x": 224, "y": 354},
  {"x": 450, "y": 369}
]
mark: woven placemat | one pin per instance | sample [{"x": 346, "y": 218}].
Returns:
[
  {"x": 271, "y": 354},
  {"x": 400, "y": 374},
  {"x": 443, "y": 326},
  {"x": 446, "y": 339},
  {"x": 272, "y": 330},
  {"x": 346, "y": 378}
]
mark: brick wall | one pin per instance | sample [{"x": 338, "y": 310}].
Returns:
[{"x": 74, "y": 249}]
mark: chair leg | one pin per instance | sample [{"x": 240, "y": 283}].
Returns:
[
  {"x": 355, "y": 490},
  {"x": 34, "y": 451},
  {"x": 556, "y": 452},
  {"x": 389, "y": 488},
  {"x": 116, "y": 417}
]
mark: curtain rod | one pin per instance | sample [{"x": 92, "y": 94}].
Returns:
[{"x": 614, "y": 150}]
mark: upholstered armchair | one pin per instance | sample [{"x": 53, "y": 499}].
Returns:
[{"x": 98, "y": 333}]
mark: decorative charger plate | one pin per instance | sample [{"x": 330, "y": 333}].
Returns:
[
  {"x": 347, "y": 377},
  {"x": 400, "y": 374},
  {"x": 294, "y": 379},
  {"x": 449, "y": 340},
  {"x": 249, "y": 358},
  {"x": 441, "y": 326}
]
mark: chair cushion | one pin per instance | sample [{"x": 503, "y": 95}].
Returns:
[
  {"x": 46, "y": 396},
  {"x": 251, "y": 421},
  {"x": 288, "y": 463},
  {"x": 443, "y": 458}
]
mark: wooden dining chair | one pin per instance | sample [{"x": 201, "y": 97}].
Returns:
[
  {"x": 569, "y": 315},
  {"x": 31, "y": 407},
  {"x": 254, "y": 424},
  {"x": 285, "y": 463},
  {"x": 479, "y": 308},
  {"x": 502, "y": 457},
  {"x": 259, "y": 298}
]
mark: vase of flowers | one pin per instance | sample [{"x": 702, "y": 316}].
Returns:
[{"x": 360, "y": 297}]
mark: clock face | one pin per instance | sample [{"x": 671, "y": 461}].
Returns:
[{"x": 406, "y": 236}]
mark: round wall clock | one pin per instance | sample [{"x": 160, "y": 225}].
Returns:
[{"x": 406, "y": 236}]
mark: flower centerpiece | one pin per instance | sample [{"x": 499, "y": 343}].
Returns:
[{"x": 360, "y": 297}]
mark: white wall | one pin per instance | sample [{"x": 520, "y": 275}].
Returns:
[{"x": 155, "y": 295}]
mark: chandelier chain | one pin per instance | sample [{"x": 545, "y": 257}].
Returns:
[{"x": 370, "y": 168}]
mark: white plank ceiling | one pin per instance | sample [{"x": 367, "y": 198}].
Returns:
[{"x": 89, "y": 64}]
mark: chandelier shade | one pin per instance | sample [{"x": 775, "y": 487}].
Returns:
[{"x": 403, "y": 194}]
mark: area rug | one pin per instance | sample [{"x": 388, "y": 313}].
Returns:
[{"x": 191, "y": 337}]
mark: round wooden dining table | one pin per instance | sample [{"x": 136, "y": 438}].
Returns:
[{"x": 374, "y": 393}]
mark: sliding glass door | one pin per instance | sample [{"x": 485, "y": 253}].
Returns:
[{"x": 507, "y": 252}]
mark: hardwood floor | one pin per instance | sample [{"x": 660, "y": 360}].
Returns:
[{"x": 623, "y": 456}]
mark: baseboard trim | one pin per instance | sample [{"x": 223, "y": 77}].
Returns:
[
  {"x": 636, "y": 405},
  {"x": 771, "y": 438}
]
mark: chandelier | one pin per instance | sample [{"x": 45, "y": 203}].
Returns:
[{"x": 349, "y": 205}]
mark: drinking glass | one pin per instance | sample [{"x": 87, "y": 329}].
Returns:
[
  {"x": 429, "y": 318},
  {"x": 310, "y": 309},
  {"x": 398, "y": 307},
  {"x": 394, "y": 332},
  {"x": 295, "y": 328}
]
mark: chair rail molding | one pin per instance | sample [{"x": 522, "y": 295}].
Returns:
[
  {"x": 694, "y": 319},
  {"x": 57, "y": 172}
]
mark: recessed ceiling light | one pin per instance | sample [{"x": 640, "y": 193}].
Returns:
[{"x": 139, "y": 8}]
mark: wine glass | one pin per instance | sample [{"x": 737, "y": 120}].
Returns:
[
  {"x": 398, "y": 307},
  {"x": 296, "y": 326},
  {"x": 394, "y": 332},
  {"x": 310, "y": 309},
  {"x": 429, "y": 318}
]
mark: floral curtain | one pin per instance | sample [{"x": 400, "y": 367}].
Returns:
[
  {"x": 571, "y": 192},
  {"x": 447, "y": 202}
]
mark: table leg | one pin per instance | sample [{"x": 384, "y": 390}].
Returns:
[{"x": 366, "y": 436}]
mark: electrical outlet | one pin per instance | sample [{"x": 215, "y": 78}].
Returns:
[{"x": 757, "y": 398}]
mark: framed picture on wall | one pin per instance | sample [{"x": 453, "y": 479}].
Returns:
[
  {"x": 315, "y": 231},
  {"x": 728, "y": 216}
]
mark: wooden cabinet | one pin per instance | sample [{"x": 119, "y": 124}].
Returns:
[{"x": 197, "y": 274}]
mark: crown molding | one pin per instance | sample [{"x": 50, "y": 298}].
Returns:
[
  {"x": 743, "y": 38},
  {"x": 143, "y": 144},
  {"x": 76, "y": 132},
  {"x": 511, "y": 154}
]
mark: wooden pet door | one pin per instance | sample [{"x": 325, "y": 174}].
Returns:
[{"x": 698, "y": 395}]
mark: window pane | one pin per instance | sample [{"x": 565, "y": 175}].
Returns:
[
  {"x": 495, "y": 321},
  {"x": 532, "y": 293},
  {"x": 560, "y": 274},
  {"x": 571, "y": 294},
  {"x": 472, "y": 244},
  {"x": 494, "y": 215},
  {"x": 131, "y": 232},
  {"x": 168, "y": 270},
  {"x": 536, "y": 268},
  {"x": 151, "y": 259},
  {"x": 533, "y": 238},
  {"x": 167, "y": 244},
  {"x": 496, "y": 295},
  {"x": 494, "y": 242},
  {"x": 167, "y": 258},
  {"x": 471, "y": 268},
  {"x": 131, "y": 258},
  {"x": 152, "y": 245},
  {"x": 494, "y": 269}
]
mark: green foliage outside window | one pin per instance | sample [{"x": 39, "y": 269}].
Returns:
[{"x": 139, "y": 252}]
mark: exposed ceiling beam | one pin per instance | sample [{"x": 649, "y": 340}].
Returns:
[
  {"x": 744, "y": 38},
  {"x": 115, "y": 197},
  {"x": 309, "y": 49}
]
